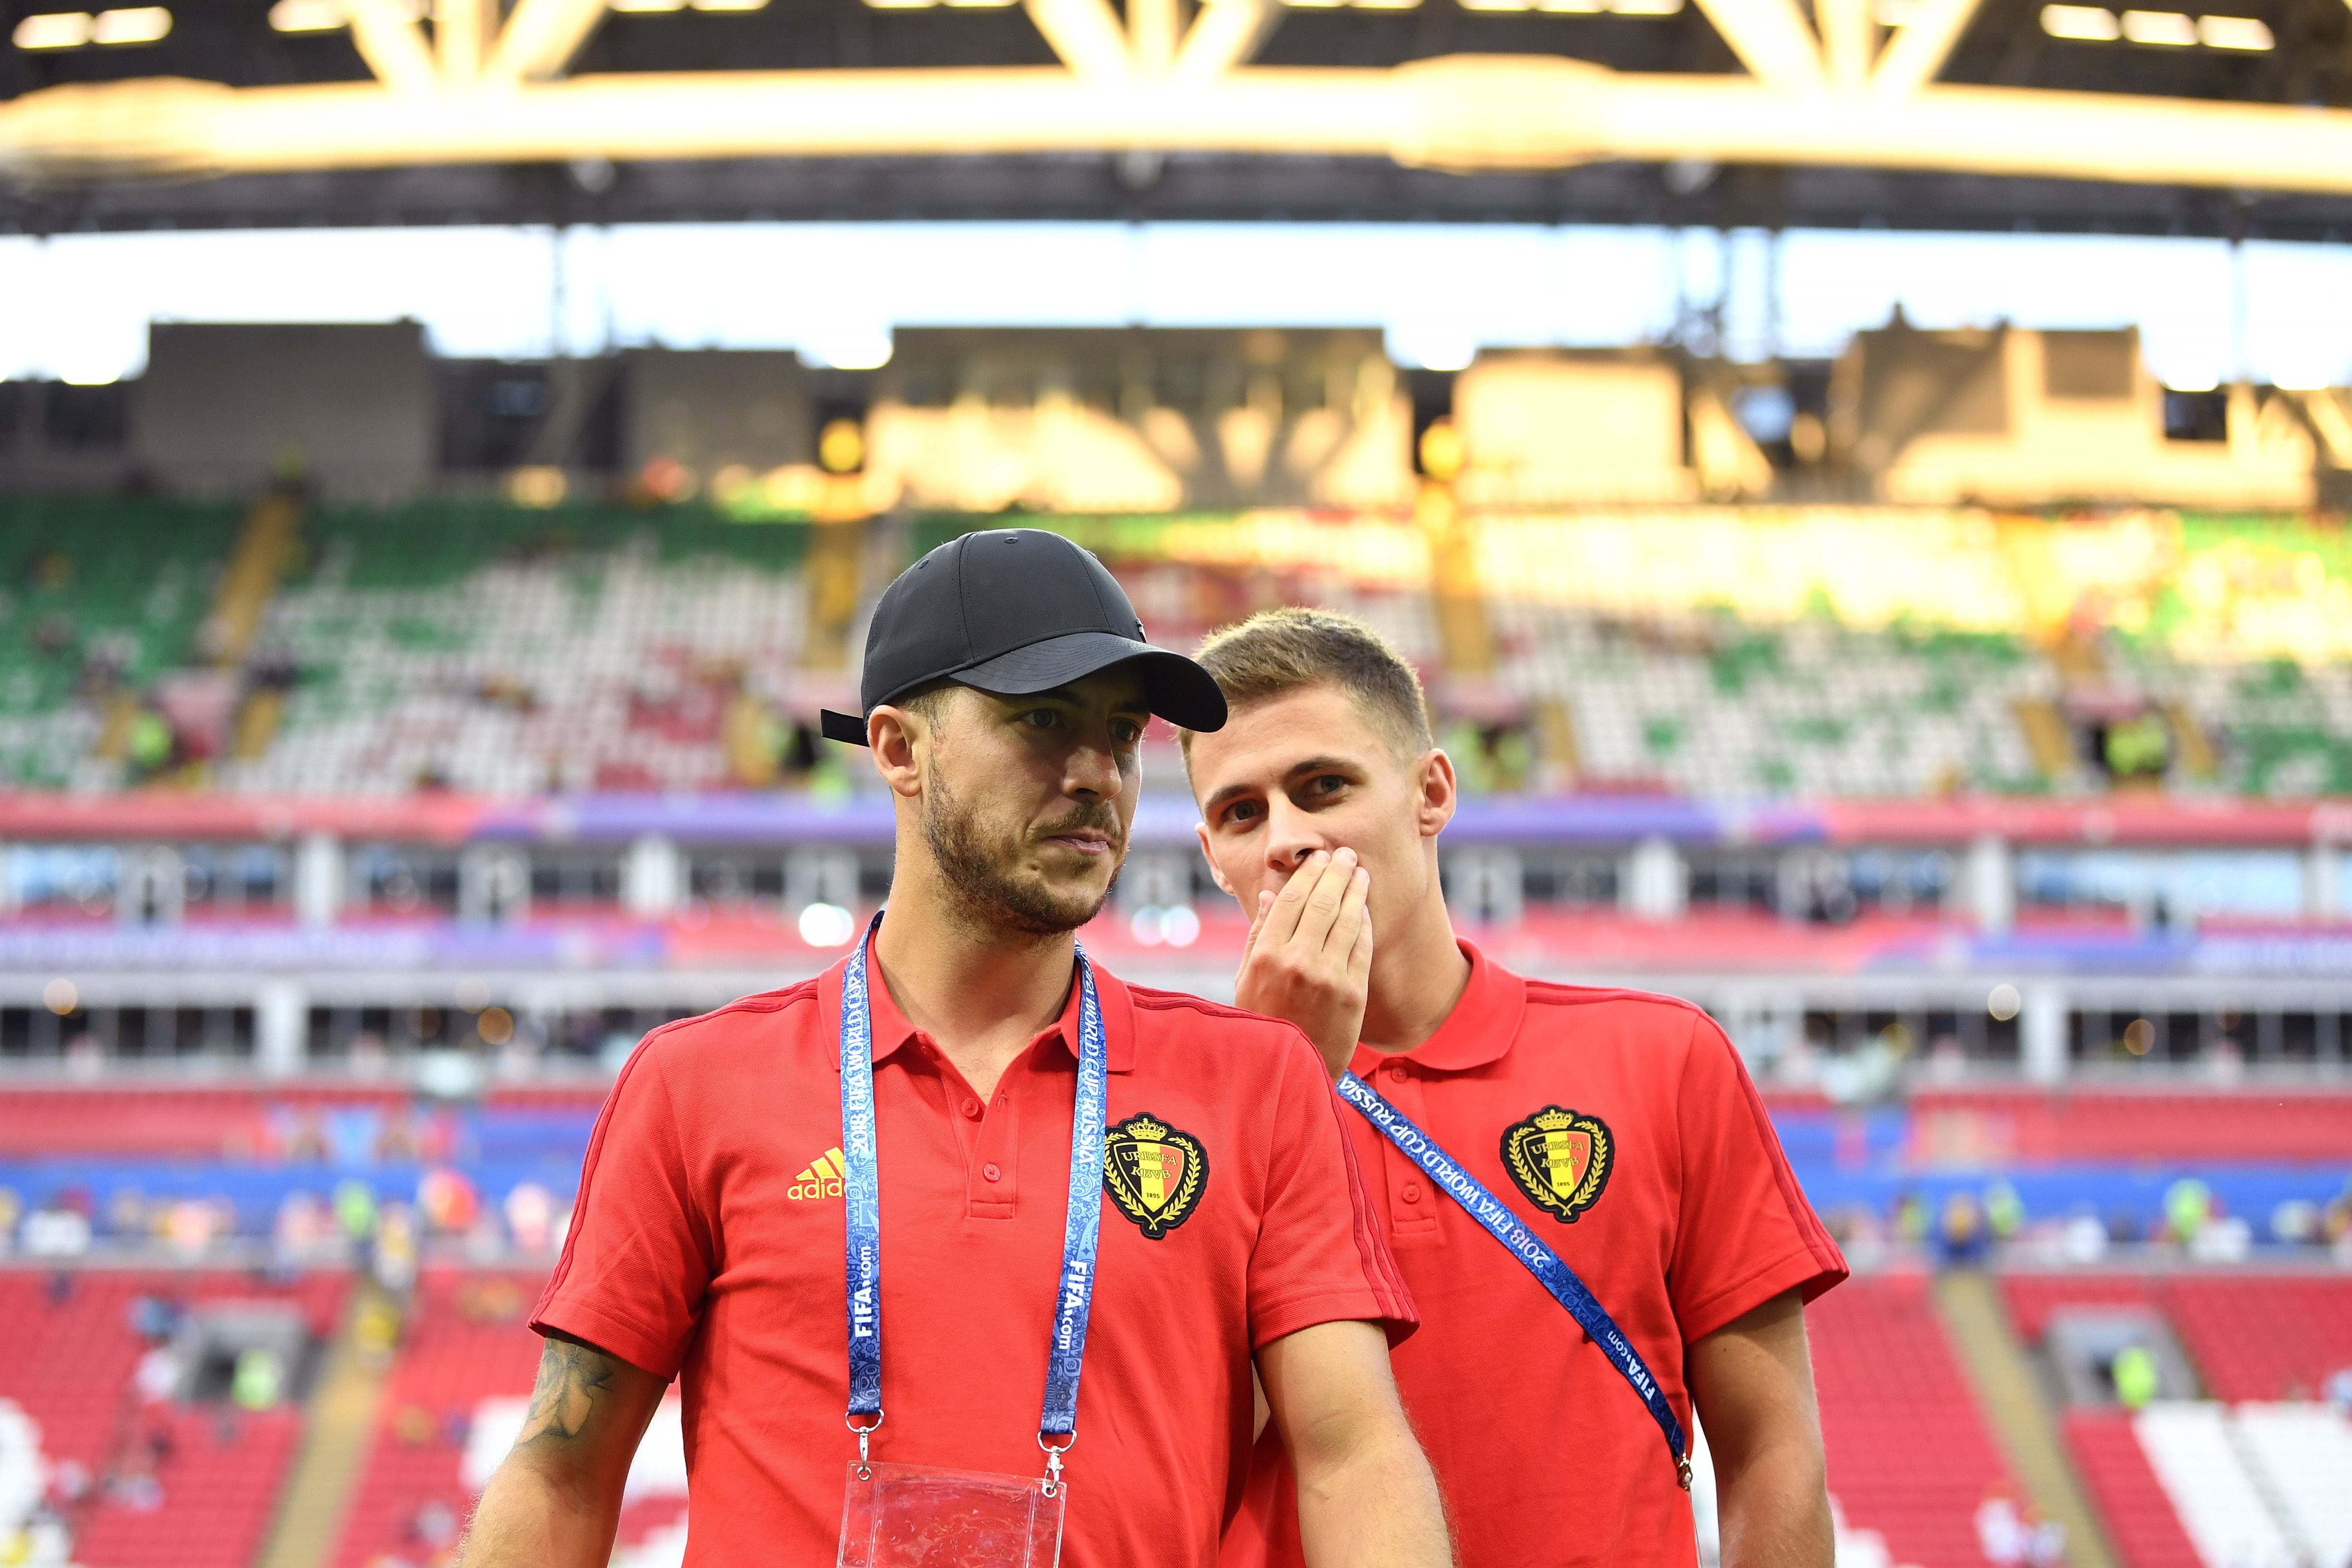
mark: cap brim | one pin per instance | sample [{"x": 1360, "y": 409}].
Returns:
[{"x": 1174, "y": 688}]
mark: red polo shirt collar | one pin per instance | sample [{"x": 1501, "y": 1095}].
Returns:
[
  {"x": 1479, "y": 1030},
  {"x": 892, "y": 1029}
]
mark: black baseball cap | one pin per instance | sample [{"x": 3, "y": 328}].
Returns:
[{"x": 1013, "y": 610}]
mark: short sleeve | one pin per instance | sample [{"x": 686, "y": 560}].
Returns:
[
  {"x": 639, "y": 1254},
  {"x": 1320, "y": 1256},
  {"x": 1746, "y": 1233}
]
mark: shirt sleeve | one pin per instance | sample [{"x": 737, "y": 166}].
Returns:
[
  {"x": 1320, "y": 1256},
  {"x": 1746, "y": 1233},
  {"x": 639, "y": 1253}
]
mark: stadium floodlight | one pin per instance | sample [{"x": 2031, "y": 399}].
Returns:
[
  {"x": 131, "y": 25},
  {"x": 2249, "y": 34},
  {"x": 1646, "y": 7},
  {"x": 2164, "y": 29},
  {"x": 2081, "y": 24},
  {"x": 57, "y": 30},
  {"x": 1573, "y": 7},
  {"x": 647, "y": 5},
  {"x": 731, "y": 5}
]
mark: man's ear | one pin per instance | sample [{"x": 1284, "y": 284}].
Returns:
[
  {"x": 1436, "y": 793},
  {"x": 1200, "y": 831},
  {"x": 898, "y": 737}
]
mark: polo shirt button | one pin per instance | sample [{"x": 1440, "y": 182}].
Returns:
[
  {"x": 991, "y": 1173},
  {"x": 972, "y": 1108},
  {"x": 1412, "y": 1191},
  {"x": 1400, "y": 1073}
]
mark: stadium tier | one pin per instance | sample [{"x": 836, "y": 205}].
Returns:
[{"x": 138, "y": 1448}]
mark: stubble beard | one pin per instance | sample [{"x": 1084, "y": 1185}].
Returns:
[{"x": 974, "y": 863}]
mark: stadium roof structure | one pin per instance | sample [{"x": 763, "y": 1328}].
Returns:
[{"x": 1943, "y": 113}]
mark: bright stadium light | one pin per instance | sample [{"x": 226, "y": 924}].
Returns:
[
  {"x": 132, "y": 24},
  {"x": 731, "y": 5},
  {"x": 57, "y": 30},
  {"x": 307, "y": 16},
  {"x": 647, "y": 5},
  {"x": 2084, "y": 24},
  {"x": 2249, "y": 34},
  {"x": 2164, "y": 29}
]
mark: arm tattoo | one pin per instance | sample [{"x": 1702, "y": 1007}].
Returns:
[{"x": 571, "y": 1378}]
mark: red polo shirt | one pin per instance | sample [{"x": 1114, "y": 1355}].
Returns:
[
  {"x": 1646, "y": 1161},
  {"x": 707, "y": 1245}
]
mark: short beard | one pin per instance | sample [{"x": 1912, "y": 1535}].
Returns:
[{"x": 989, "y": 898}]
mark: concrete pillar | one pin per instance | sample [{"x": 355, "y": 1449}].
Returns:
[
  {"x": 1992, "y": 885},
  {"x": 1655, "y": 883},
  {"x": 281, "y": 1028},
  {"x": 653, "y": 878},
  {"x": 493, "y": 885},
  {"x": 2041, "y": 1034},
  {"x": 829, "y": 877},
  {"x": 151, "y": 887},
  {"x": 2323, "y": 881},
  {"x": 319, "y": 881}
]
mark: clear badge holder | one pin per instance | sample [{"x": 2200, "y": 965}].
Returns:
[{"x": 910, "y": 1516}]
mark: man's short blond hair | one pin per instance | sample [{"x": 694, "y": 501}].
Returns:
[{"x": 1276, "y": 652}]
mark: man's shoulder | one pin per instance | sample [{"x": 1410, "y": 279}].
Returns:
[
  {"x": 1210, "y": 1026},
  {"x": 1649, "y": 1014},
  {"x": 1151, "y": 999},
  {"x": 718, "y": 1037}
]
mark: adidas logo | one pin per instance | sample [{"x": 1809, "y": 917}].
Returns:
[{"x": 821, "y": 1179}]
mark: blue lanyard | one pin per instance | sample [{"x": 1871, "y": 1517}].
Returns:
[
  {"x": 862, "y": 1200},
  {"x": 1550, "y": 1271}
]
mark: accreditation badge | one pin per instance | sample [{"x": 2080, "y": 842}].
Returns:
[{"x": 910, "y": 1516}]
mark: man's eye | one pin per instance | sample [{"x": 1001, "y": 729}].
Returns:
[
  {"x": 1242, "y": 811},
  {"x": 1329, "y": 784},
  {"x": 1043, "y": 718},
  {"x": 1125, "y": 731}
]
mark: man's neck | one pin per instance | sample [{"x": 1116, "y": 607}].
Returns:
[
  {"x": 979, "y": 995},
  {"x": 1418, "y": 976}
]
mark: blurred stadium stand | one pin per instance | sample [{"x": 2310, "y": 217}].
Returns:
[{"x": 1967, "y": 723}]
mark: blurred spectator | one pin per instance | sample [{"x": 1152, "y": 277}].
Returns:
[
  {"x": 1911, "y": 1218},
  {"x": 2187, "y": 1205},
  {"x": 259, "y": 1380},
  {"x": 2085, "y": 1240},
  {"x": 2135, "y": 1376},
  {"x": 395, "y": 1263},
  {"x": 355, "y": 1210},
  {"x": 2001, "y": 1535},
  {"x": 157, "y": 1377},
  {"x": 530, "y": 1215},
  {"x": 1961, "y": 1230},
  {"x": 301, "y": 1230},
  {"x": 2004, "y": 1211},
  {"x": 2337, "y": 1391}
]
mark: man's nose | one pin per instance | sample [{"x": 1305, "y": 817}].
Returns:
[
  {"x": 1291, "y": 838},
  {"x": 1094, "y": 770}
]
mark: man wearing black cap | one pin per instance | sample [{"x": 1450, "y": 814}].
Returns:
[{"x": 880, "y": 1223}]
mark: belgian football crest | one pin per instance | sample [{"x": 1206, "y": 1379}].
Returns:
[
  {"x": 1154, "y": 1173},
  {"x": 1559, "y": 1159}
]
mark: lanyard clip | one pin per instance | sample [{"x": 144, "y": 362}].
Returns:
[
  {"x": 1683, "y": 1470},
  {"x": 1051, "y": 1486},
  {"x": 865, "y": 1437}
]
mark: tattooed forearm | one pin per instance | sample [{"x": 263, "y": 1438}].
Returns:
[{"x": 572, "y": 1379}]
